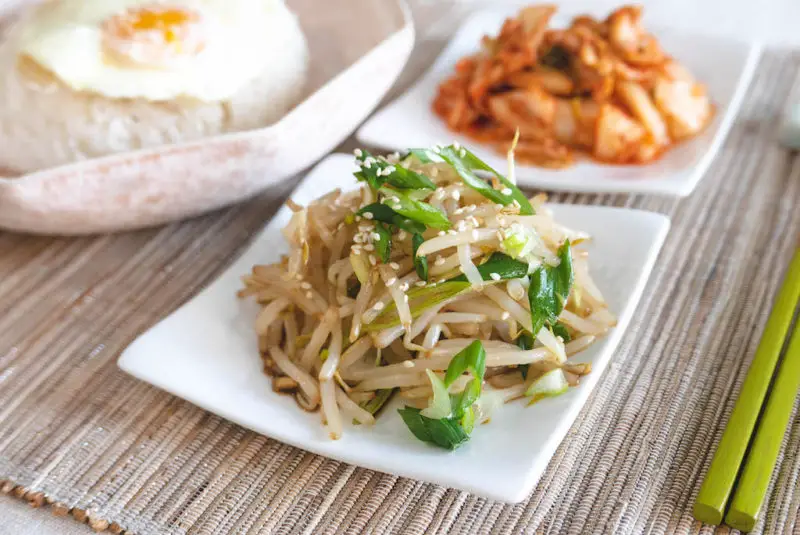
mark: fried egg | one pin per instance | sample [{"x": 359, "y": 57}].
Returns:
[{"x": 158, "y": 51}]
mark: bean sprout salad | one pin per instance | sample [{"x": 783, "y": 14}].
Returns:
[{"x": 437, "y": 281}]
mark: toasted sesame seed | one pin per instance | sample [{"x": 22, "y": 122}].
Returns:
[
  {"x": 396, "y": 207},
  {"x": 358, "y": 153},
  {"x": 389, "y": 170},
  {"x": 358, "y": 218},
  {"x": 372, "y": 259},
  {"x": 439, "y": 261},
  {"x": 309, "y": 295},
  {"x": 505, "y": 315},
  {"x": 378, "y": 306},
  {"x": 358, "y": 238},
  {"x": 366, "y": 164},
  {"x": 368, "y": 215},
  {"x": 459, "y": 211},
  {"x": 408, "y": 363},
  {"x": 376, "y": 236},
  {"x": 515, "y": 202},
  {"x": 369, "y": 247},
  {"x": 495, "y": 276},
  {"x": 401, "y": 235},
  {"x": 404, "y": 287},
  {"x": 305, "y": 285},
  {"x": 391, "y": 281},
  {"x": 395, "y": 198},
  {"x": 420, "y": 283},
  {"x": 356, "y": 249},
  {"x": 394, "y": 265}
]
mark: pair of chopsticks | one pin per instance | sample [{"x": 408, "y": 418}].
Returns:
[{"x": 760, "y": 395}]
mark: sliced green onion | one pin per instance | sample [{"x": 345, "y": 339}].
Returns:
[
  {"x": 383, "y": 244},
  {"x": 552, "y": 383},
  {"x": 419, "y": 211},
  {"x": 381, "y": 212},
  {"x": 420, "y": 262}
]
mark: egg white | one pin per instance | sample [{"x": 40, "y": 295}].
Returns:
[{"x": 66, "y": 38}]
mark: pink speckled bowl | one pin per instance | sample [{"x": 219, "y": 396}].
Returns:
[{"x": 358, "y": 48}]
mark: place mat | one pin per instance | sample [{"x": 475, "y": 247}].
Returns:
[{"x": 80, "y": 435}]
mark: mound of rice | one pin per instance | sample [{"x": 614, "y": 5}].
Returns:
[{"x": 44, "y": 123}]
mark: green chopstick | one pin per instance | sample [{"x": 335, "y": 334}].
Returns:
[
  {"x": 754, "y": 481},
  {"x": 718, "y": 485}
]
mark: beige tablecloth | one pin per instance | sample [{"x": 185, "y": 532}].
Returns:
[{"x": 78, "y": 435}]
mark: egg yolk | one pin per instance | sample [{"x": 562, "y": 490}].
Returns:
[{"x": 155, "y": 36}]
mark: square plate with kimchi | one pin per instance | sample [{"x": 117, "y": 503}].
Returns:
[
  {"x": 207, "y": 353},
  {"x": 722, "y": 67}
]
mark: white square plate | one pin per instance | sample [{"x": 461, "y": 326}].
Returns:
[
  {"x": 206, "y": 353},
  {"x": 725, "y": 66}
]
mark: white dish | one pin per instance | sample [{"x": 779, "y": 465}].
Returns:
[
  {"x": 349, "y": 74},
  {"x": 206, "y": 353},
  {"x": 724, "y": 65}
]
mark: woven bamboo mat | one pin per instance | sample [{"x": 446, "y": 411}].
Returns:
[{"x": 80, "y": 435}]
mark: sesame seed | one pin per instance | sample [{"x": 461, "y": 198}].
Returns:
[
  {"x": 358, "y": 153},
  {"x": 372, "y": 259},
  {"x": 369, "y": 247},
  {"x": 358, "y": 218},
  {"x": 309, "y": 295},
  {"x": 366, "y": 164},
  {"x": 396, "y": 207},
  {"x": 389, "y": 170},
  {"x": 436, "y": 149},
  {"x": 515, "y": 202},
  {"x": 462, "y": 152},
  {"x": 456, "y": 145},
  {"x": 452, "y": 232},
  {"x": 401, "y": 235},
  {"x": 305, "y": 285},
  {"x": 459, "y": 211},
  {"x": 495, "y": 276},
  {"x": 442, "y": 233},
  {"x": 434, "y": 172},
  {"x": 368, "y": 215},
  {"x": 356, "y": 249},
  {"x": 404, "y": 287},
  {"x": 390, "y": 282},
  {"x": 506, "y": 191},
  {"x": 498, "y": 206},
  {"x": 408, "y": 364},
  {"x": 420, "y": 283},
  {"x": 456, "y": 195},
  {"x": 394, "y": 265},
  {"x": 378, "y": 306},
  {"x": 376, "y": 236},
  {"x": 395, "y": 198},
  {"x": 439, "y": 261},
  {"x": 358, "y": 238},
  {"x": 505, "y": 315}
]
